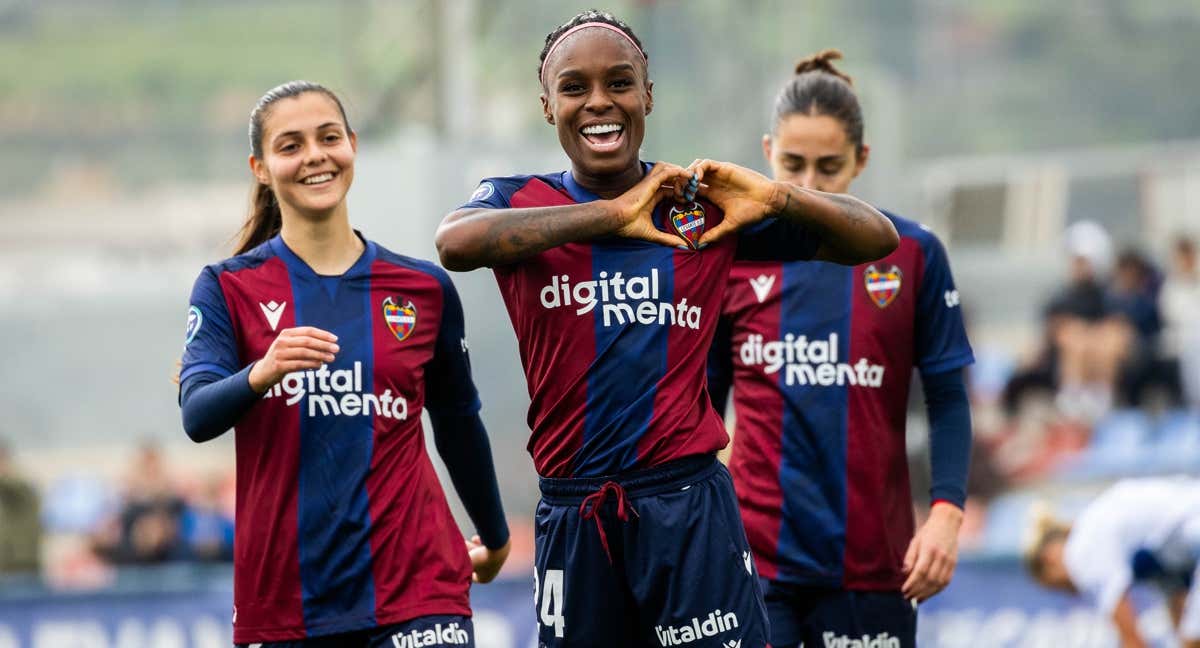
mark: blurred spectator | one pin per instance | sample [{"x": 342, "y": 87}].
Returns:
[
  {"x": 206, "y": 525},
  {"x": 147, "y": 529},
  {"x": 1180, "y": 304},
  {"x": 20, "y": 523},
  {"x": 1085, "y": 344},
  {"x": 1146, "y": 377}
]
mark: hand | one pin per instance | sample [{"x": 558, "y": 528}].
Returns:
[
  {"x": 485, "y": 562},
  {"x": 745, "y": 196},
  {"x": 296, "y": 349},
  {"x": 635, "y": 207},
  {"x": 933, "y": 553}
]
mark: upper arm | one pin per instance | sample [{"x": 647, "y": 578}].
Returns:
[
  {"x": 940, "y": 335},
  {"x": 210, "y": 345},
  {"x": 777, "y": 239},
  {"x": 720, "y": 365},
  {"x": 449, "y": 387}
]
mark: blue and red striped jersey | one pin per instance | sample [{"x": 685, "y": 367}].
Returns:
[
  {"x": 613, "y": 335},
  {"x": 822, "y": 358},
  {"x": 341, "y": 522}
]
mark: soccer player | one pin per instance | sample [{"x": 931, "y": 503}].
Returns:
[
  {"x": 820, "y": 357},
  {"x": 1145, "y": 530},
  {"x": 613, "y": 289},
  {"x": 321, "y": 347}
]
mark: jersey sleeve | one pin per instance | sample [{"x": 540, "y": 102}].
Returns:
[
  {"x": 449, "y": 388},
  {"x": 492, "y": 193},
  {"x": 210, "y": 345},
  {"x": 777, "y": 239},
  {"x": 940, "y": 336}
]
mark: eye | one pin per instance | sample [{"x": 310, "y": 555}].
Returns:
[
  {"x": 831, "y": 168},
  {"x": 622, "y": 83},
  {"x": 571, "y": 87},
  {"x": 332, "y": 137},
  {"x": 288, "y": 147}
]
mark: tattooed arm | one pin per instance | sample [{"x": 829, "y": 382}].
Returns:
[
  {"x": 847, "y": 230},
  {"x": 475, "y": 237}
]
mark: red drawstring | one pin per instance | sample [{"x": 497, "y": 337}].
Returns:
[{"x": 589, "y": 509}]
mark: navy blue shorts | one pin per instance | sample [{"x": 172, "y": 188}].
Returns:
[
  {"x": 447, "y": 631},
  {"x": 836, "y": 618},
  {"x": 653, "y": 558}
]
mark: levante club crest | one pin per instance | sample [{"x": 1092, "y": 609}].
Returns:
[
  {"x": 883, "y": 286},
  {"x": 688, "y": 221},
  {"x": 401, "y": 319}
]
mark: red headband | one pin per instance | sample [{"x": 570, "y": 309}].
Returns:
[{"x": 557, "y": 41}]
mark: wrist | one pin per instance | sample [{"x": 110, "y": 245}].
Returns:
[
  {"x": 613, "y": 215},
  {"x": 258, "y": 378},
  {"x": 780, "y": 198},
  {"x": 947, "y": 510}
]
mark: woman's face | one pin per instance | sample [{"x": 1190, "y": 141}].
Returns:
[
  {"x": 308, "y": 155},
  {"x": 597, "y": 96},
  {"x": 812, "y": 151}
]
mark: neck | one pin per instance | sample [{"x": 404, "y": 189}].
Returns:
[
  {"x": 326, "y": 242},
  {"x": 608, "y": 185}
]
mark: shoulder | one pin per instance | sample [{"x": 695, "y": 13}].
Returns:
[
  {"x": 414, "y": 265},
  {"x": 248, "y": 260},
  {"x": 916, "y": 231},
  {"x": 506, "y": 186}
]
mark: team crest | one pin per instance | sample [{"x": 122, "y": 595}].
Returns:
[
  {"x": 882, "y": 287},
  {"x": 195, "y": 319},
  {"x": 401, "y": 319},
  {"x": 688, "y": 222}
]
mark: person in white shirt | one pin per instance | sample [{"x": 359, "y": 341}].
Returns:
[{"x": 1137, "y": 530}]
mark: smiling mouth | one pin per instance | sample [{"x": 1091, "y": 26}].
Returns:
[
  {"x": 318, "y": 179},
  {"x": 603, "y": 136}
]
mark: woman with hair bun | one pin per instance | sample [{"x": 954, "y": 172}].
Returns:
[{"x": 819, "y": 357}]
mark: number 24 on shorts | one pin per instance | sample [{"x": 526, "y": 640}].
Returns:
[{"x": 548, "y": 600}]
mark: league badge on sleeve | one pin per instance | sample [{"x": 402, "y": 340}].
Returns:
[
  {"x": 483, "y": 192},
  {"x": 195, "y": 319},
  {"x": 688, "y": 221},
  {"x": 883, "y": 286},
  {"x": 401, "y": 318}
]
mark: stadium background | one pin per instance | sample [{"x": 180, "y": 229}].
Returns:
[{"x": 123, "y": 127}]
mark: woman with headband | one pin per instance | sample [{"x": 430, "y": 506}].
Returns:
[{"x": 613, "y": 273}]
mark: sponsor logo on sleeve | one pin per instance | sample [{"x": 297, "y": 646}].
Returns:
[
  {"x": 881, "y": 640},
  {"x": 401, "y": 317},
  {"x": 195, "y": 319},
  {"x": 952, "y": 299},
  {"x": 883, "y": 285},
  {"x": 483, "y": 192}
]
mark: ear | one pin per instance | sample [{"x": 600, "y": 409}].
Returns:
[
  {"x": 649, "y": 96},
  {"x": 354, "y": 141},
  {"x": 766, "y": 145},
  {"x": 259, "y": 169},
  {"x": 547, "y": 111},
  {"x": 860, "y": 161}
]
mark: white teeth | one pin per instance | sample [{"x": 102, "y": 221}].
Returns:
[
  {"x": 321, "y": 177},
  {"x": 600, "y": 129}
]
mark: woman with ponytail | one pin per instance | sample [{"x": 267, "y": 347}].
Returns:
[
  {"x": 819, "y": 357},
  {"x": 320, "y": 348}
]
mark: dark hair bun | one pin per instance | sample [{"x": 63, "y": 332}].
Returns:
[{"x": 823, "y": 62}]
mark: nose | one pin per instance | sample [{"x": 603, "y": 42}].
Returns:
[
  {"x": 314, "y": 154},
  {"x": 598, "y": 100},
  {"x": 809, "y": 179}
]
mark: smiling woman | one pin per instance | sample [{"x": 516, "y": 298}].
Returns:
[
  {"x": 320, "y": 348},
  {"x": 613, "y": 275}
]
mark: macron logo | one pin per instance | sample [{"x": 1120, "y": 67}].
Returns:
[
  {"x": 273, "y": 311},
  {"x": 762, "y": 286},
  {"x": 749, "y": 561}
]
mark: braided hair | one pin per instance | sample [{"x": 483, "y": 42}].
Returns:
[{"x": 583, "y": 17}]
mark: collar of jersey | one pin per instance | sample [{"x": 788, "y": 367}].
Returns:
[
  {"x": 298, "y": 266},
  {"x": 581, "y": 195}
]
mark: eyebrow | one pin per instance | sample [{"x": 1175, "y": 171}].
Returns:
[
  {"x": 294, "y": 133},
  {"x": 834, "y": 156},
  {"x": 620, "y": 67}
]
